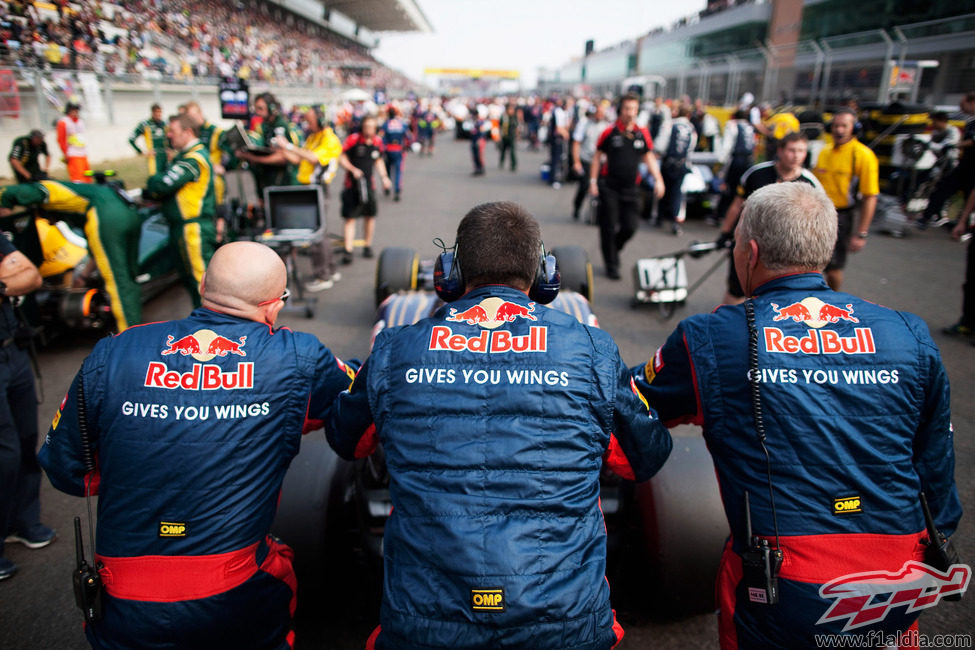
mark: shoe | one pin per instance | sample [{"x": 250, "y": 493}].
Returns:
[
  {"x": 677, "y": 230},
  {"x": 921, "y": 224},
  {"x": 367, "y": 252},
  {"x": 346, "y": 257},
  {"x": 575, "y": 215},
  {"x": 940, "y": 222},
  {"x": 38, "y": 536},
  {"x": 613, "y": 274},
  {"x": 556, "y": 185},
  {"x": 336, "y": 277},
  {"x": 319, "y": 284},
  {"x": 959, "y": 330},
  {"x": 396, "y": 197},
  {"x": 7, "y": 568}
]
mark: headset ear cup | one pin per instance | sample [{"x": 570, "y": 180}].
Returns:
[
  {"x": 547, "y": 281},
  {"x": 448, "y": 281}
]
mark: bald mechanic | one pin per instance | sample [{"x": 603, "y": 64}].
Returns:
[
  {"x": 112, "y": 228},
  {"x": 193, "y": 424},
  {"x": 847, "y": 422}
]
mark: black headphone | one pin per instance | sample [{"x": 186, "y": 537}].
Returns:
[
  {"x": 448, "y": 279},
  {"x": 272, "y": 104},
  {"x": 320, "y": 116}
]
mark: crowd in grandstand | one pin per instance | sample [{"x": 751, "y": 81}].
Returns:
[{"x": 183, "y": 39}]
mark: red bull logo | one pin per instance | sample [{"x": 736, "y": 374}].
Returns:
[
  {"x": 204, "y": 345},
  {"x": 866, "y": 598},
  {"x": 444, "y": 339},
  {"x": 815, "y": 314},
  {"x": 492, "y": 312}
]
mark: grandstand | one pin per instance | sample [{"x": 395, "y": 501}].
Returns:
[
  {"x": 302, "y": 42},
  {"x": 796, "y": 51}
]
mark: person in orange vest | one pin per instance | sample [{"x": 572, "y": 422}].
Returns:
[{"x": 71, "y": 139}]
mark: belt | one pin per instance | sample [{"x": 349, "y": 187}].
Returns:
[{"x": 170, "y": 578}]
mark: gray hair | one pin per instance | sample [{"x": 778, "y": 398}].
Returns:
[{"x": 794, "y": 225}]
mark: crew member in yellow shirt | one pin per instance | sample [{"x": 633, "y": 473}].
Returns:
[{"x": 848, "y": 169}]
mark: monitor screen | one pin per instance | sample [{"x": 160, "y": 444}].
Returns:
[{"x": 294, "y": 208}]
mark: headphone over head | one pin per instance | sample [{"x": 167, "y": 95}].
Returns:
[{"x": 448, "y": 279}]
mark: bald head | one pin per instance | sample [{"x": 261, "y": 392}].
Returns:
[{"x": 240, "y": 276}]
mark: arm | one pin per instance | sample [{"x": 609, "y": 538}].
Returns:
[
  {"x": 63, "y": 137},
  {"x": 381, "y": 166},
  {"x": 168, "y": 183},
  {"x": 62, "y": 455},
  {"x": 668, "y": 381},
  {"x": 19, "y": 274},
  {"x": 964, "y": 222},
  {"x": 731, "y": 216},
  {"x": 332, "y": 376},
  {"x": 654, "y": 169},
  {"x": 349, "y": 167},
  {"x": 133, "y": 139},
  {"x": 349, "y": 428},
  {"x": 639, "y": 443},
  {"x": 934, "y": 455},
  {"x": 868, "y": 170},
  {"x": 594, "y": 173},
  {"x": 19, "y": 167}
]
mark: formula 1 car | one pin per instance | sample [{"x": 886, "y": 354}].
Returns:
[{"x": 668, "y": 532}]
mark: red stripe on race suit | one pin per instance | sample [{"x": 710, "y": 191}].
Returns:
[
  {"x": 617, "y": 461},
  {"x": 367, "y": 443},
  {"x": 167, "y": 579},
  {"x": 279, "y": 563}
]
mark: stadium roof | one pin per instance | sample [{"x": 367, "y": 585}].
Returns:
[{"x": 384, "y": 15}]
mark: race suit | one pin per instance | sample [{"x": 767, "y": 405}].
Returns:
[
  {"x": 186, "y": 190},
  {"x": 112, "y": 228},
  {"x": 193, "y": 424},
  {"x": 153, "y": 135},
  {"x": 496, "y": 415},
  {"x": 855, "y": 403}
]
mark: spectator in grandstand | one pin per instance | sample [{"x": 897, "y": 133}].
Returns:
[
  {"x": 584, "y": 139},
  {"x": 25, "y": 157},
  {"x": 395, "y": 140},
  {"x": 613, "y": 177},
  {"x": 317, "y": 160},
  {"x": 71, "y": 140},
  {"x": 674, "y": 148},
  {"x": 152, "y": 131},
  {"x": 271, "y": 169},
  {"x": 361, "y": 152},
  {"x": 787, "y": 167},
  {"x": 508, "y": 128},
  {"x": 847, "y": 169},
  {"x": 962, "y": 177}
]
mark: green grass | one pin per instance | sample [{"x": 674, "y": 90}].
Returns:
[{"x": 133, "y": 171}]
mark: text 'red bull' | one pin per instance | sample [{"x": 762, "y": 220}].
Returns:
[
  {"x": 820, "y": 342},
  {"x": 203, "y": 376},
  {"x": 489, "y": 341}
]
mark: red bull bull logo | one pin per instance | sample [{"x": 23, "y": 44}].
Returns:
[
  {"x": 815, "y": 314},
  {"x": 492, "y": 312},
  {"x": 489, "y": 314},
  {"x": 866, "y": 598},
  {"x": 202, "y": 345}
]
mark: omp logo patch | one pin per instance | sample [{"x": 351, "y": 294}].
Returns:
[
  {"x": 487, "y": 600},
  {"x": 172, "y": 529},
  {"x": 847, "y": 506}
]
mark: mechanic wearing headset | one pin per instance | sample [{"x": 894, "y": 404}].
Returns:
[
  {"x": 853, "y": 399},
  {"x": 112, "y": 228},
  {"x": 496, "y": 415},
  {"x": 193, "y": 424}
]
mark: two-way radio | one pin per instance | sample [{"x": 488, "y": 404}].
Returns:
[
  {"x": 761, "y": 561},
  {"x": 939, "y": 551},
  {"x": 86, "y": 578}
]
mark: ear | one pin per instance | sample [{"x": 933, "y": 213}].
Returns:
[
  {"x": 272, "y": 310},
  {"x": 203, "y": 282},
  {"x": 752, "y": 254}
]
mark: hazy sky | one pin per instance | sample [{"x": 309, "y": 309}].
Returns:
[{"x": 522, "y": 34}]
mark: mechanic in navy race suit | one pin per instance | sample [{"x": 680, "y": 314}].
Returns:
[
  {"x": 193, "y": 424},
  {"x": 496, "y": 416},
  {"x": 855, "y": 404}
]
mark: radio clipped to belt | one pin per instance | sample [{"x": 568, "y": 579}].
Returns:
[
  {"x": 939, "y": 552},
  {"x": 761, "y": 562},
  {"x": 86, "y": 579}
]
